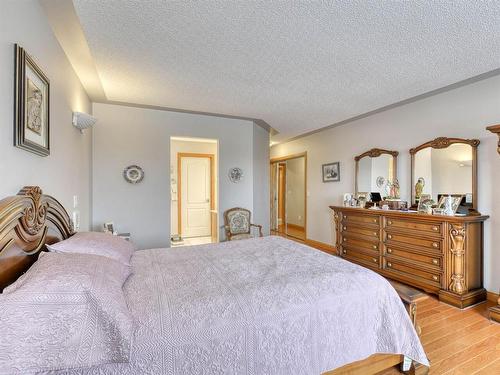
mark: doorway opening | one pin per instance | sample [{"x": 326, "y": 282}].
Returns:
[
  {"x": 289, "y": 196},
  {"x": 194, "y": 191}
]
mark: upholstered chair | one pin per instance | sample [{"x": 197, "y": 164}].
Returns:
[{"x": 237, "y": 224}]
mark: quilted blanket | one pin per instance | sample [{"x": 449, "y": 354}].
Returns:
[{"x": 258, "y": 306}]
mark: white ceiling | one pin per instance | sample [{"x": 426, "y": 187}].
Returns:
[{"x": 298, "y": 66}]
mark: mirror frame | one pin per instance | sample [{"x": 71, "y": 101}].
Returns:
[
  {"x": 444, "y": 142},
  {"x": 375, "y": 153}
]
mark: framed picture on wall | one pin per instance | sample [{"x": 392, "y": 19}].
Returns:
[
  {"x": 331, "y": 172},
  {"x": 31, "y": 105}
]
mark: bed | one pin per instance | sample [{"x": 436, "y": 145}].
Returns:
[{"x": 259, "y": 306}]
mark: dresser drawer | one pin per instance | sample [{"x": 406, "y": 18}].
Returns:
[
  {"x": 429, "y": 277},
  {"x": 432, "y": 228},
  {"x": 354, "y": 230},
  {"x": 395, "y": 239},
  {"x": 355, "y": 242},
  {"x": 346, "y": 248},
  {"x": 370, "y": 260},
  {"x": 360, "y": 219},
  {"x": 425, "y": 260}
]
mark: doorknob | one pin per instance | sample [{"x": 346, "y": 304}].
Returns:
[{"x": 208, "y": 200}]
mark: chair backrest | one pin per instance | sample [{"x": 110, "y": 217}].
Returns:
[{"x": 237, "y": 220}]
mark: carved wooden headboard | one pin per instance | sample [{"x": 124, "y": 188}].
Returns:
[{"x": 28, "y": 221}]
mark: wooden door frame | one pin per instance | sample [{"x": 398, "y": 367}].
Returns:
[
  {"x": 282, "y": 166},
  {"x": 295, "y": 156},
  {"x": 181, "y": 155}
]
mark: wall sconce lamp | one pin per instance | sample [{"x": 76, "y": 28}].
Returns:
[
  {"x": 83, "y": 121},
  {"x": 495, "y": 129}
]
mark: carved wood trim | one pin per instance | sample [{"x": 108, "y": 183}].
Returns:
[
  {"x": 375, "y": 153},
  {"x": 496, "y": 130},
  {"x": 444, "y": 142},
  {"x": 24, "y": 224},
  {"x": 457, "y": 248}
]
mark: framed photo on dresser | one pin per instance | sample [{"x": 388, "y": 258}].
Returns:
[{"x": 31, "y": 105}]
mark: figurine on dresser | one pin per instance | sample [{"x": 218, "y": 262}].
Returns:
[{"x": 419, "y": 188}]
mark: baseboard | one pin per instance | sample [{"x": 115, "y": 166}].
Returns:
[
  {"x": 321, "y": 246},
  {"x": 492, "y": 297}
]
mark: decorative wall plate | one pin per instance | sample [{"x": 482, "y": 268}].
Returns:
[
  {"x": 133, "y": 174},
  {"x": 235, "y": 174},
  {"x": 380, "y": 181}
]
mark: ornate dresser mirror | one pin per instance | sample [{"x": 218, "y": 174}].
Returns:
[
  {"x": 373, "y": 169},
  {"x": 445, "y": 166}
]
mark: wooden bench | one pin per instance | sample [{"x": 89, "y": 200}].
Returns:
[{"x": 410, "y": 296}]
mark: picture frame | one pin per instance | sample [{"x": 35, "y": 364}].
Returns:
[
  {"x": 457, "y": 199},
  {"x": 362, "y": 198},
  {"x": 331, "y": 172},
  {"x": 31, "y": 105},
  {"x": 109, "y": 227},
  {"x": 425, "y": 204}
]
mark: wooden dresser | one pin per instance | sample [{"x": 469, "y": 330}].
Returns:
[{"x": 439, "y": 254}]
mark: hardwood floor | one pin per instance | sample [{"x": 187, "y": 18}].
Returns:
[
  {"x": 293, "y": 232},
  {"x": 458, "y": 342}
]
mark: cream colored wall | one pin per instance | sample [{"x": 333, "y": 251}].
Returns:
[
  {"x": 66, "y": 171},
  {"x": 193, "y": 147},
  {"x": 463, "y": 112}
]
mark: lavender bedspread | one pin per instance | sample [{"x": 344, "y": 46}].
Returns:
[{"x": 258, "y": 306}]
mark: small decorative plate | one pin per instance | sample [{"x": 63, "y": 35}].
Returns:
[
  {"x": 380, "y": 181},
  {"x": 133, "y": 174},
  {"x": 235, "y": 174}
]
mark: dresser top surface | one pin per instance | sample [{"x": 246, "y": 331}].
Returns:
[{"x": 410, "y": 214}]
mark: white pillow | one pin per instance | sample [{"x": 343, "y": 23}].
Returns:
[
  {"x": 68, "y": 311},
  {"x": 96, "y": 243}
]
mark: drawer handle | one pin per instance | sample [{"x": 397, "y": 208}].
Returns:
[
  {"x": 389, "y": 264},
  {"x": 435, "y": 228},
  {"x": 374, "y": 247},
  {"x": 389, "y": 222},
  {"x": 375, "y": 233},
  {"x": 374, "y": 260},
  {"x": 434, "y": 277},
  {"x": 345, "y": 239},
  {"x": 345, "y": 228},
  {"x": 389, "y": 236},
  {"x": 344, "y": 251},
  {"x": 374, "y": 220},
  {"x": 389, "y": 251},
  {"x": 435, "y": 245},
  {"x": 435, "y": 261}
]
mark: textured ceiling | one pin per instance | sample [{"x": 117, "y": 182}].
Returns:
[{"x": 299, "y": 66}]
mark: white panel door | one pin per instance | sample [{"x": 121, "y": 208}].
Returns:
[{"x": 195, "y": 196}]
